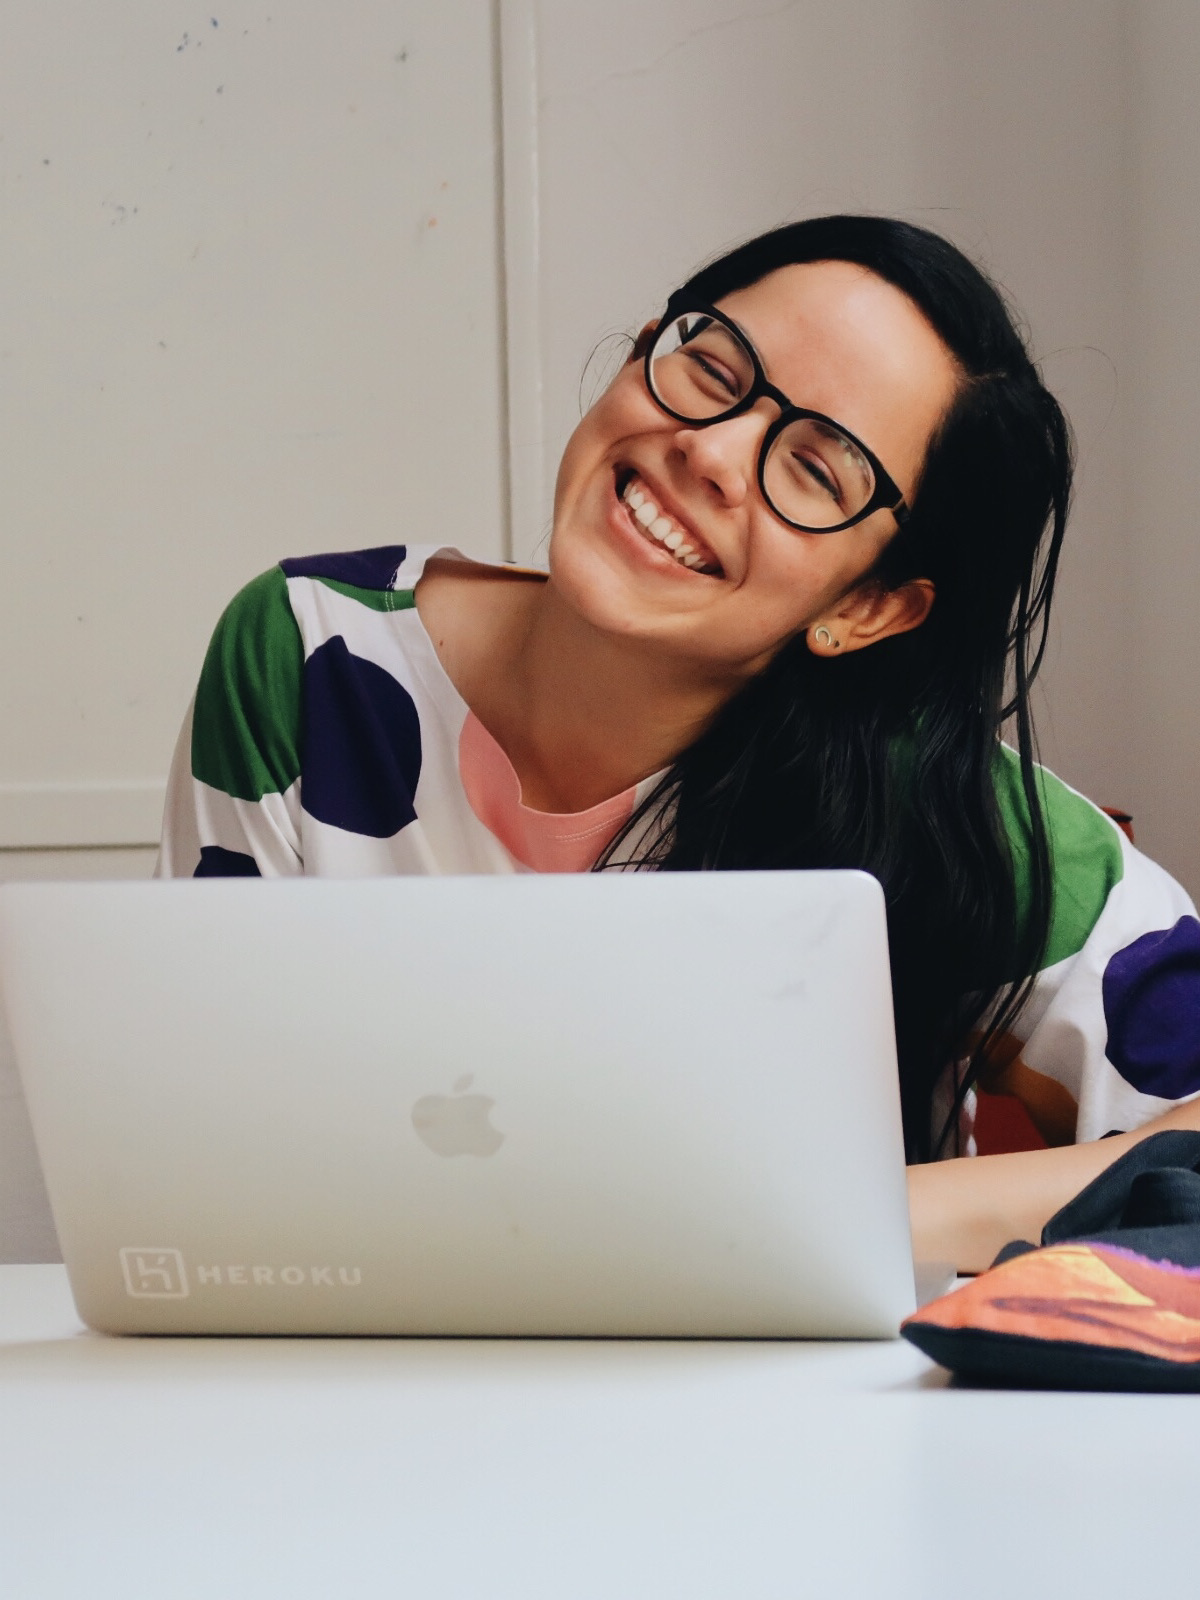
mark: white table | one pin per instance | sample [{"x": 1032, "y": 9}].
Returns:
[{"x": 222, "y": 1468}]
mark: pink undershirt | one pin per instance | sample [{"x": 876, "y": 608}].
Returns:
[{"x": 546, "y": 841}]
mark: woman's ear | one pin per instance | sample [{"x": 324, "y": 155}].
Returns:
[
  {"x": 642, "y": 343},
  {"x": 868, "y": 614}
]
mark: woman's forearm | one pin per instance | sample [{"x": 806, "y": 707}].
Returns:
[{"x": 966, "y": 1209}]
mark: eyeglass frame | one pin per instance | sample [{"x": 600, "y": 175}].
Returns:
[{"x": 885, "y": 485}]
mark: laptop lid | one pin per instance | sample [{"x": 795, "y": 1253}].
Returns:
[{"x": 604, "y": 1104}]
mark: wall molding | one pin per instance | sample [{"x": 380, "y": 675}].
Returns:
[
  {"x": 520, "y": 268},
  {"x": 43, "y": 816}
]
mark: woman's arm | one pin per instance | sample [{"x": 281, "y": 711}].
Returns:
[{"x": 965, "y": 1210}]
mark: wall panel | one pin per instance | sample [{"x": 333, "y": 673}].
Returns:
[{"x": 250, "y": 309}]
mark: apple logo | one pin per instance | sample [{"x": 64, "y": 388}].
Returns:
[{"x": 457, "y": 1124}]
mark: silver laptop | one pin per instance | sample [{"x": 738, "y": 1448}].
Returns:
[{"x": 624, "y": 1104}]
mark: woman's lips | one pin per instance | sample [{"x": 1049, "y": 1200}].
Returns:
[{"x": 659, "y": 528}]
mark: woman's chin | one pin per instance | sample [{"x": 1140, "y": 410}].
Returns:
[{"x": 608, "y": 580}]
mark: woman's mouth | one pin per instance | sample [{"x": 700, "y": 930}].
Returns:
[{"x": 657, "y": 527}]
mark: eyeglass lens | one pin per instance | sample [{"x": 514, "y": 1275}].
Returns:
[{"x": 814, "y": 474}]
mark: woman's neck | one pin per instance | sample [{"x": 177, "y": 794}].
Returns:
[{"x": 582, "y": 716}]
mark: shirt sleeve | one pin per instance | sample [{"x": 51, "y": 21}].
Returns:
[
  {"x": 233, "y": 797},
  {"x": 1110, "y": 1036},
  {"x": 1116, "y": 1026}
]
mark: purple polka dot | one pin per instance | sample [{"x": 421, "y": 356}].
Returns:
[
  {"x": 362, "y": 744},
  {"x": 217, "y": 862},
  {"x": 1152, "y": 1008},
  {"x": 365, "y": 569}
]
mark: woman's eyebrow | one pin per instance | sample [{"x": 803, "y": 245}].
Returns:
[{"x": 754, "y": 348}]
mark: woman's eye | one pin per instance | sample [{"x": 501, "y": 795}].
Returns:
[
  {"x": 712, "y": 372},
  {"x": 815, "y": 470}
]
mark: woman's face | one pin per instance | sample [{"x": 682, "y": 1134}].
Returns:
[{"x": 836, "y": 339}]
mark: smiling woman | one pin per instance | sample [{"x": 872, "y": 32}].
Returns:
[{"x": 800, "y": 544}]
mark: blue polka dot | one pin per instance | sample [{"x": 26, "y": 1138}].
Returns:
[
  {"x": 362, "y": 744},
  {"x": 365, "y": 569},
  {"x": 217, "y": 862},
  {"x": 1152, "y": 1007}
]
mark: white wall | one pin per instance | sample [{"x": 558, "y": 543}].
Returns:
[
  {"x": 1159, "y": 613},
  {"x": 251, "y": 309}
]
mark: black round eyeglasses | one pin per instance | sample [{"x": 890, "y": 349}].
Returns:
[{"x": 813, "y": 473}]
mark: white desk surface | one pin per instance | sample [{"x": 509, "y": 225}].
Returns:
[{"x": 220, "y": 1468}]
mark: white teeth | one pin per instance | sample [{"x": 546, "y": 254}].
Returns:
[{"x": 661, "y": 528}]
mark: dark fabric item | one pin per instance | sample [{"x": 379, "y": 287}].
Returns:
[
  {"x": 1160, "y": 1220},
  {"x": 1111, "y": 1298},
  {"x": 1009, "y": 1361},
  {"x": 1014, "y": 1248},
  {"x": 1151, "y": 993},
  {"x": 217, "y": 862},
  {"x": 364, "y": 569}
]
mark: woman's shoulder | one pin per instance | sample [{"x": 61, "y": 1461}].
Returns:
[
  {"x": 268, "y": 617},
  {"x": 246, "y": 716},
  {"x": 280, "y": 625},
  {"x": 382, "y": 579},
  {"x": 1098, "y": 873}
]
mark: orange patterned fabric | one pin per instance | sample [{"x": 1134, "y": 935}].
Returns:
[{"x": 1082, "y": 1293}]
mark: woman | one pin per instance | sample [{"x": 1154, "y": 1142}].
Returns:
[{"x": 799, "y": 546}]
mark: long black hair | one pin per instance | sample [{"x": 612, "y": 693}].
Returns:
[{"x": 885, "y": 759}]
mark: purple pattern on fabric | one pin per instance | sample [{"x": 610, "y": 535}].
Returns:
[
  {"x": 1152, "y": 1007},
  {"x": 365, "y": 569},
  {"x": 1159, "y": 1264},
  {"x": 362, "y": 744},
  {"x": 217, "y": 862}
]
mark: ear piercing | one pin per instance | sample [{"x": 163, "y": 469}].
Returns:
[{"x": 823, "y": 636}]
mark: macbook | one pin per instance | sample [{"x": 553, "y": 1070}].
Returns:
[{"x": 638, "y": 1104}]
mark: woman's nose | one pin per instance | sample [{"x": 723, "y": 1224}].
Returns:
[{"x": 724, "y": 454}]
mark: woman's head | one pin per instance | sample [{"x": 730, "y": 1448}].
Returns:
[
  {"x": 832, "y": 337},
  {"x": 891, "y": 331},
  {"x": 872, "y": 661}
]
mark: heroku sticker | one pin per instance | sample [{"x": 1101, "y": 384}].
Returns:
[
  {"x": 152, "y": 1273},
  {"x": 159, "y": 1274}
]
